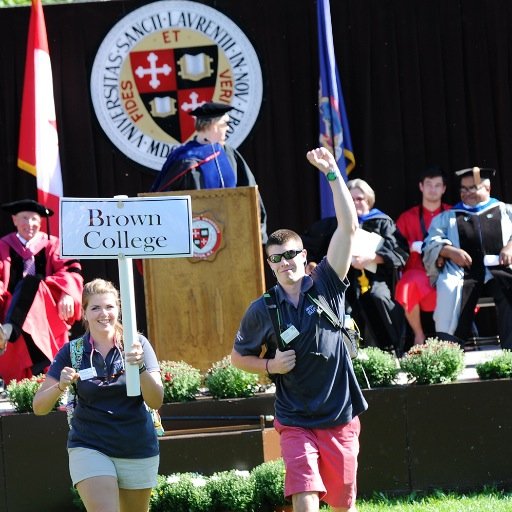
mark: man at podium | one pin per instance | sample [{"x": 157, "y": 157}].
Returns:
[
  {"x": 318, "y": 399},
  {"x": 207, "y": 161}
]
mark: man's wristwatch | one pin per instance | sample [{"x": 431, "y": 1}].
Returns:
[{"x": 331, "y": 175}]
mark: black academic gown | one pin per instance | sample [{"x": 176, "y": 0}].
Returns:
[{"x": 182, "y": 171}]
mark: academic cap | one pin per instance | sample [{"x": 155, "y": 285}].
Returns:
[
  {"x": 211, "y": 110},
  {"x": 27, "y": 205},
  {"x": 478, "y": 173}
]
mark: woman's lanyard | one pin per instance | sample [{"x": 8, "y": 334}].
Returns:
[{"x": 108, "y": 377}]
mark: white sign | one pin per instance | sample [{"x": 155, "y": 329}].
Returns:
[
  {"x": 135, "y": 227},
  {"x": 160, "y": 62}
]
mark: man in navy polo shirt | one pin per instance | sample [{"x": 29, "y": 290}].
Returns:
[{"x": 318, "y": 399}]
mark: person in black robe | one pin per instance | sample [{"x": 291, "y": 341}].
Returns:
[
  {"x": 207, "y": 161},
  {"x": 371, "y": 293}
]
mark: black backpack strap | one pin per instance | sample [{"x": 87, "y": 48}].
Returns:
[{"x": 270, "y": 299}]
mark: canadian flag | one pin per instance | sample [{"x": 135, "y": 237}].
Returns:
[{"x": 38, "y": 151}]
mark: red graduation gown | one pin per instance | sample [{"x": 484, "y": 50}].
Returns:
[{"x": 42, "y": 321}]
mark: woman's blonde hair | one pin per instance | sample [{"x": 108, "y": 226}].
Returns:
[
  {"x": 369, "y": 193},
  {"x": 101, "y": 287}
]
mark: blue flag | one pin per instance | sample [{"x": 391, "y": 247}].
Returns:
[{"x": 334, "y": 132}]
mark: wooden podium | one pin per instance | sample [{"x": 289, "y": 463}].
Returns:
[{"x": 194, "y": 305}]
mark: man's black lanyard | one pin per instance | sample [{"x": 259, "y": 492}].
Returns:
[
  {"x": 322, "y": 308},
  {"x": 270, "y": 298},
  {"x": 424, "y": 229}
]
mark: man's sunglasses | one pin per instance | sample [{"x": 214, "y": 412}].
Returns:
[{"x": 287, "y": 255}]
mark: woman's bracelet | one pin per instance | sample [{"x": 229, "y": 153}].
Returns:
[
  {"x": 142, "y": 368},
  {"x": 266, "y": 367},
  {"x": 61, "y": 390}
]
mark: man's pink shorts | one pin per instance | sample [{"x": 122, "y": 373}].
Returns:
[{"x": 322, "y": 460}]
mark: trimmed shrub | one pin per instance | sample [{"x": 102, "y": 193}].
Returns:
[
  {"x": 223, "y": 380},
  {"x": 375, "y": 367},
  {"x": 499, "y": 367},
  {"x": 269, "y": 486},
  {"x": 261, "y": 490},
  {"x": 231, "y": 490},
  {"x": 21, "y": 393},
  {"x": 181, "y": 381},
  {"x": 180, "y": 492},
  {"x": 434, "y": 362}
]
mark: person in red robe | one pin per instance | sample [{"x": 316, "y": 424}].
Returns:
[
  {"x": 40, "y": 293},
  {"x": 413, "y": 290}
]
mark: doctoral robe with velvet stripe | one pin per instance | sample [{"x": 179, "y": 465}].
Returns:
[
  {"x": 483, "y": 229},
  {"x": 37, "y": 307}
]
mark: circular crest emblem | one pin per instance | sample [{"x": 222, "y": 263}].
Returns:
[
  {"x": 159, "y": 63},
  {"x": 206, "y": 237}
]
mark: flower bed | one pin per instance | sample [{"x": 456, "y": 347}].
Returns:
[
  {"x": 414, "y": 437},
  {"x": 259, "y": 490},
  {"x": 442, "y": 436}
]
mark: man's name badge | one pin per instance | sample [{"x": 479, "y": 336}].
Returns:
[
  {"x": 87, "y": 374},
  {"x": 290, "y": 334}
]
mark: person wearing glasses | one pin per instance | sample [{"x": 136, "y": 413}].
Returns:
[
  {"x": 374, "y": 273},
  {"x": 469, "y": 250},
  {"x": 318, "y": 399},
  {"x": 112, "y": 443}
]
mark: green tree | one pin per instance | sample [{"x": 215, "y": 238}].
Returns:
[{"x": 23, "y": 3}]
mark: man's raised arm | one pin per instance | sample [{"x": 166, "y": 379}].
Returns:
[{"x": 339, "y": 252}]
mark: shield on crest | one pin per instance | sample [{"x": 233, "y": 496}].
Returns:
[
  {"x": 173, "y": 82},
  {"x": 200, "y": 237}
]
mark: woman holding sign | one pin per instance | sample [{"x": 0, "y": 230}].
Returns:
[{"x": 112, "y": 443}]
